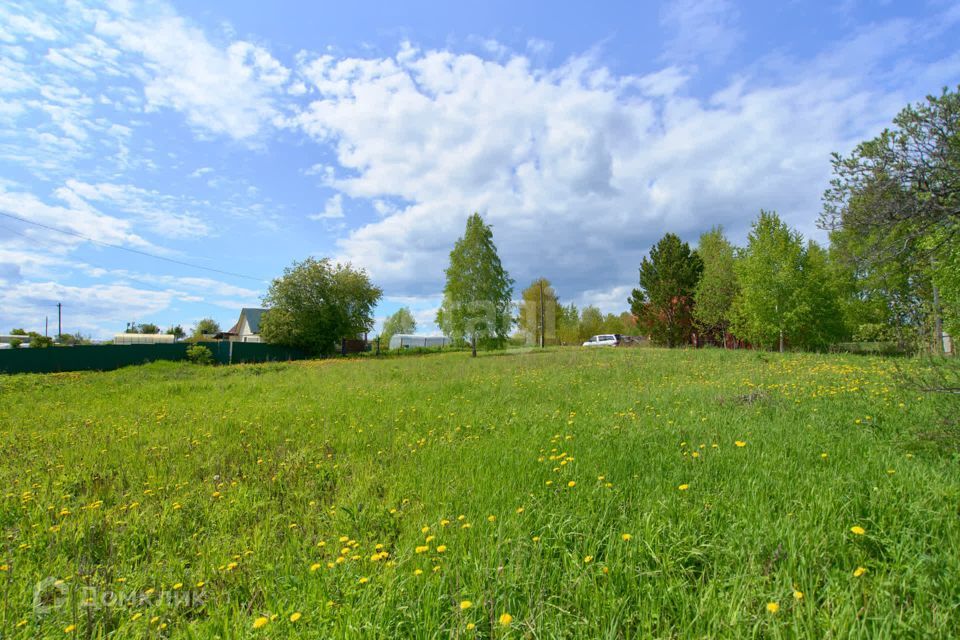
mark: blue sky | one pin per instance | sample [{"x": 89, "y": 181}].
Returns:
[{"x": 241, "y": 136}]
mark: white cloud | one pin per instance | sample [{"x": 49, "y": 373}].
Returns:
[
  {"x": 333, "y": 209},
  {"x": 228, "y": 90},
  {"x": 579, "y": 174},
  {"x": 703, "y": 31},
  {"x": 161, "y": 214}
]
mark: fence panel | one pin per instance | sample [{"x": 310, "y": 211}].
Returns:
[{"x": 105, "y": 357}]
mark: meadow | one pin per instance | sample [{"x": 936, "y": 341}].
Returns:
[{"x": 562, "y": 494}]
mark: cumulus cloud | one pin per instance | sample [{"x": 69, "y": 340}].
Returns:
[
  {"x": 580, "y": 170},
  {"x": 332, "y": 210},
  {"x": 229, "y": 90}
]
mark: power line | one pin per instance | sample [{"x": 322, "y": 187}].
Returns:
[
  {"x": 137, "y": 251},
  {"x": 149, "y": 284}
]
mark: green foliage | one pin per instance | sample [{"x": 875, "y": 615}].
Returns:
[
  {"x": 529, "y": 318},
  {"x": 402, "y": 321},
  {"x": 664, "y": 303},
  {"x": 718, "y": 285},
  {"x": 207, "y": 326},
  {"x": 145, "y": 327},
  {"x": 477, "y": 295},
  {"x": 568, "y": 324},
  {"x": 315, "y": 304},
  {"x": 199, "y": 354},
  {"x": 38, "y": 341},
  {"x": 769, "y": 308},
  {"x": 894, "y": 205},
  {"x": 232, "y": 477},
  {"x": 177, "y": 332}
]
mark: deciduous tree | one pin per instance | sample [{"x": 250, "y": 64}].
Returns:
[
  {"x": 477, "y": 295},
  {"x": 316, "y": 303}
]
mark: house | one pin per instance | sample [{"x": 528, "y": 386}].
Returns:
[{"x": 247, "y": 328}]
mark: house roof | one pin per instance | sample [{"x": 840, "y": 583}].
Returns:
[{"x": 253, "y": 316}]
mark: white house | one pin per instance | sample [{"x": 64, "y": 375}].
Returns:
[{"x": 247, "y": 328}]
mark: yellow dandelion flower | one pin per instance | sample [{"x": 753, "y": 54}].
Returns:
[
  {"x": 441, "y": 548},
  {"x": 683, "y": 487},
  {"x": 505, "y": 619},
  {"x": 363, "y": 580},
  {"x": 626, "y": 537},
  {"x": 417, "y": 572},
  {"x": 587, "y": 559},
  {"x": 859, "y": 571},
  {"x": 466, "y": 604},
  {"x": 260, "y": 622},
  {"x": 471, "y": 626},
  {"x": 772, "y": 607},
  {"x": 314, "y": 566},
  {"x": 571, "y": 484},
  {"x": 422, "y": 549},
  {"x": 22, "y": 623},
  {"x": 491, "y": 518},
  {"x": 741, "y": 443},
  {"x": 296, "y": 615},
  {"x": 70, "y": 628},
  {"x": 519, "y": 509},
  {"x": 798, "y": 595},
  {"x": 857, "y": 529}
]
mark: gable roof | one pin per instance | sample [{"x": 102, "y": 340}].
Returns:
[{"x": 253, "y": 316}]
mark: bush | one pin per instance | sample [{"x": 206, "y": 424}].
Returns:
[{"x": 199, "y": 354}]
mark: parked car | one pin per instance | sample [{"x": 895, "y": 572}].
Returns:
[{"x": 603, "y": 340}]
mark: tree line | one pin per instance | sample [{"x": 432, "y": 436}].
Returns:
[{"x": 890, "y": 272}]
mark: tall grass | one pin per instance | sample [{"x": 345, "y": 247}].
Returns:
[{"x": 572, "y": 493}]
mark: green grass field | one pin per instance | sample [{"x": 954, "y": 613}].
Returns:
[{"x": 567, "y": 494}]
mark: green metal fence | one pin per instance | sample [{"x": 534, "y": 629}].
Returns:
[{"x": 106, "y": 357}]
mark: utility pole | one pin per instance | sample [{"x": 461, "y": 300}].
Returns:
[
  {"x": 541, "y": 314},
  {"x": 46, "y": 326},
  {"x": 59, "y": 321}
]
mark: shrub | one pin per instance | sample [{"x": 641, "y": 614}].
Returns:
[{"x": 199, "y": 354}]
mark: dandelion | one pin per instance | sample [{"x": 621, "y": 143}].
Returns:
[
  {"x": 683, "y": 487},
  {"x": 519, "y": 509},
  {"x": 536, "y": 538},
  {"x": 296, "y": 615},
  {"x": 418, "y": 572},
  {"x": 741, "y": 443},
  {"x": 587, "y": 559},
  {"x": 442, "y": 548},
  {"x": 491, "y": 518},
  {"x": 314, "y": 567},
  {"x": 798, "y": 595},
  {"x": 70, "y": 628},
  {"x": 471, "y": 626},
  {"x": 772, "y": 607},
  {"x": 260, "y": 622},
  {"x": 571, "y": 484},
  {"x": 364, "y": 580},
  {"x": 858, "y": 530},
  {"x": 859, "y": 571},
  {"x": 626, "y": 537},
  {"x": 505, "y": 619},
  {"x": 22, "y": 623},
  {"x": 466, "y": 604},
  {"x": 422, "y": 549}
]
